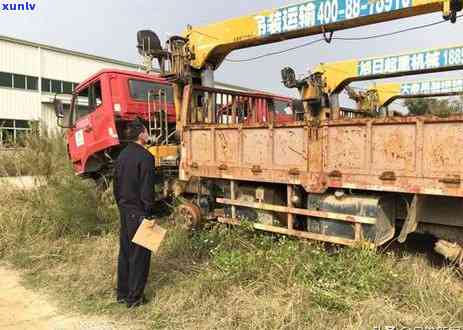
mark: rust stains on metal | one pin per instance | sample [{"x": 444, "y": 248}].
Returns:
[
  {"x": 388, "y": 176},
  {"x": 349, "y": 153},
  {"x": 305, "y": 212}
]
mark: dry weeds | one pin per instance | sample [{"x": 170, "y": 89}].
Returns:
[{"x": 65, "y": 238}]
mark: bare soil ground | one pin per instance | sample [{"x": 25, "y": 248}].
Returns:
[
  {"x": 24, "y": 309},
  {"x": 21, "y": 182}
]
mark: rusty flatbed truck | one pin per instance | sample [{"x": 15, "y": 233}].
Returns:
[{"x": 333, "y": 176}]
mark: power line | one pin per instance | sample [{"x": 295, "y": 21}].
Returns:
[
  {"x": 413, "y": 28},
  {"x": 276, "y": 52},
  {"x": 375, "y": 36}
]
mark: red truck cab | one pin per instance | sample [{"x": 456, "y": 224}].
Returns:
[
  {"x": 101, "y": 107},
  {"x": 106, "y": 102}
]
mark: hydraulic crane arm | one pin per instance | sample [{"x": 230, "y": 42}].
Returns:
[
  {"x": 202, "y": 50},
  {"x": 321, "y": 88},
  {"x": 209, "y": 45},
  {"x": 381, "y": 95},
  {"x": 337, "y": 75}
]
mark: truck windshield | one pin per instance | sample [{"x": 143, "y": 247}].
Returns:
[
  {"x": 139, "y": 90},
  {"x": 86, "y": 101},
  {"x": 283, "y": 107}
]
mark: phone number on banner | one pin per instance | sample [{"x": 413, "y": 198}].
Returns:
[
  {"x": 317, "y": 13},
  {"x": 428, "y": 60}
]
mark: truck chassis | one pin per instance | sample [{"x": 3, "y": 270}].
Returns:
[{"x": 341, "y": 181}]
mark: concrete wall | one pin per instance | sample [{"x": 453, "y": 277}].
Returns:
[{"x": 19, "y": 104}]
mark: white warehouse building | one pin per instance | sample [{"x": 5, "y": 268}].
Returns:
[{"x": 31, "y": 74}]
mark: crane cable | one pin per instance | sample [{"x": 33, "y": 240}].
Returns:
[{"x": 312, "y": 42}]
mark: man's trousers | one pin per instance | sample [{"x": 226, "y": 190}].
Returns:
[{"x": 134, "y": 260}]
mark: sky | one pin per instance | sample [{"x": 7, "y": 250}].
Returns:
[{"x": 108, "y": 28}]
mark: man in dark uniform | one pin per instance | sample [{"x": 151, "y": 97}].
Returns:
[{"x": 134, "y": 192}]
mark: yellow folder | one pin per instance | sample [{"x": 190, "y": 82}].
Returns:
[{"x": 149, "y": 235}]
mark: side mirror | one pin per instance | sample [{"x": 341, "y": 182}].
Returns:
[
  {"x": 59, "y": 109},
  {"x": 59, "y": 112}
]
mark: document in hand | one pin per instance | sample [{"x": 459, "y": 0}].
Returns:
[{"x": 149, "y": 235}]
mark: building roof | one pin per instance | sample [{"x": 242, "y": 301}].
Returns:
[
  {"x": 99, "y": 58},
  {"x": 68, "y": 52}
]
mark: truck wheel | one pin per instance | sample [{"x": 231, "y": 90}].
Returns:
[{"x": 189, "y": 216}]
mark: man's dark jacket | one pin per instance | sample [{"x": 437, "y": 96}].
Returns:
[
  {"x": 134, "y": 193},
  {"x": 134, "y": 180}
]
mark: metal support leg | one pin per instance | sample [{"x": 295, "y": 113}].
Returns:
[
  {"x": 233, "y": 197},
  {"x": 358, "y": 232},
  {"x": 290, "y": 205},
  {"x": 411, "y": 222}
]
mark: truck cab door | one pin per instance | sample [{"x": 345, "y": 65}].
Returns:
[{"x": 94, "y": 128}]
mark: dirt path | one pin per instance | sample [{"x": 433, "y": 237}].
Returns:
[
  {"x": 21, "y": 182},
  {"x": 23, "y": 309}
]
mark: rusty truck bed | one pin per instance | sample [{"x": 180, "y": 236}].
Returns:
[{"x": 419, "y": 155}]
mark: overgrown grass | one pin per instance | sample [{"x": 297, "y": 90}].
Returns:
[
  {"x": 43, "y": 155},
  {"x": 64, "y": 237}
]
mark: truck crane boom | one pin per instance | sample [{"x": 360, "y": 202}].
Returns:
[
  {"x": 205, "y": 48},
  {"x": 381, "y": 95},
  {"x": 210, "y": 45},
  {"x": 337, "y": 75},
  {"x": 200, "y": 51},
  {"x": 320, "y": 89}
]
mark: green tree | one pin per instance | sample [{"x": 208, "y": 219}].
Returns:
[
  {"x": 417, "y": 107},
  {"x": 433, "y": 106}
]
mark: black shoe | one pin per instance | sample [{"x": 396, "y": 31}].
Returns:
[
  {"x": 121, "y": 300},
  {"x": 121, "y": 297},
  {"x": 137, "y": 303}
]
